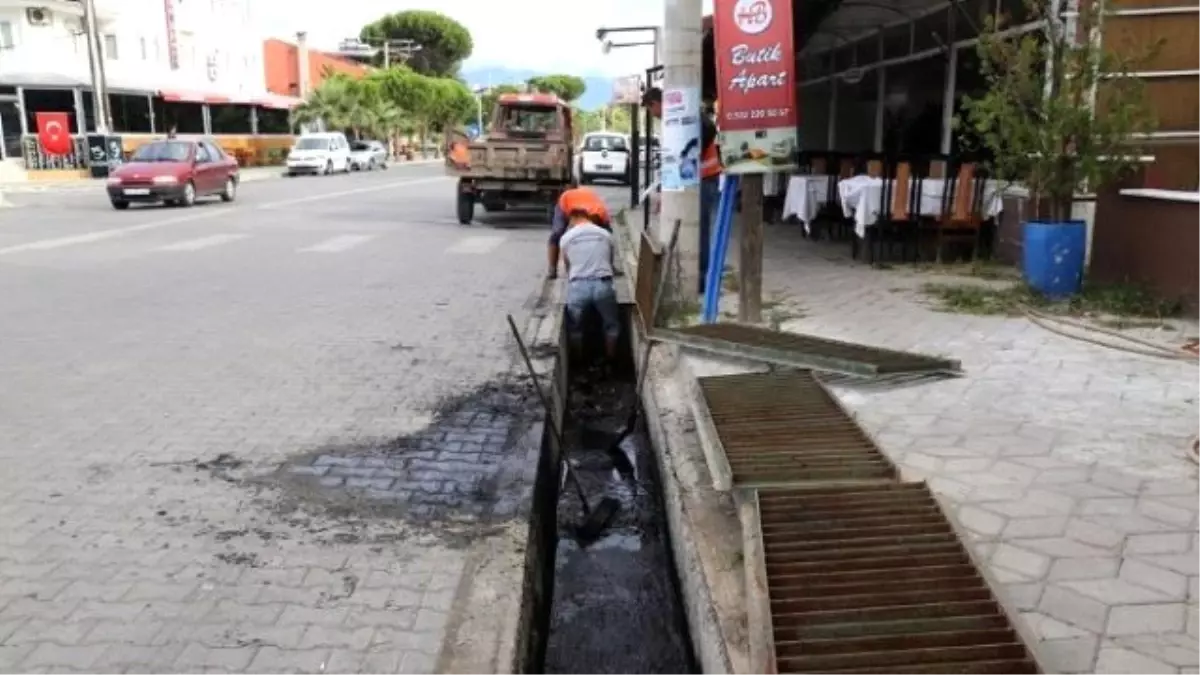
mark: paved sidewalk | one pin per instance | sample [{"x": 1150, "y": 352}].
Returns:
[{"x": 1065, "y": 460}]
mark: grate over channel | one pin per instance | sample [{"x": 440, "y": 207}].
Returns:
[
  {"x": 783, "y": 428},
  {"x": 873, "y": 579},
  {"x": 803, "y": 351}
]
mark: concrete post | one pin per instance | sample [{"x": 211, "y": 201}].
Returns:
[
  {"x": 302, "y": 64},
  {"x": 682, "y": 44}
]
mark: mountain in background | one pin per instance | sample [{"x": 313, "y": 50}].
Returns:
[{"x": 598, "y": 94}]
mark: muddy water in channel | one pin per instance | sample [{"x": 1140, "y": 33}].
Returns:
[{"x": 616, "y": 604}]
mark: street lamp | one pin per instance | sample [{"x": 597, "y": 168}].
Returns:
[{"x": 603, "y": 33}]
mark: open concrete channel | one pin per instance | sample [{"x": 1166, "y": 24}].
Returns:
[{"x": 613, "y": 603}]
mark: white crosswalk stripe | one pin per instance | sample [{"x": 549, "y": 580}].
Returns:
[
  {"x": 337, "y": 244},
  {"x": 476, "y": 244},
  {"x": 202, "y": 242}
]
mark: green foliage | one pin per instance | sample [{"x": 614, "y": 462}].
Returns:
[
  {"x": 566, "y": 87},
  {"x": 445, "y": 43},
  {"x": 614, "y": 118},
  {"x": 387, "y": 103},
  {"x": 1036, "y": 116}
]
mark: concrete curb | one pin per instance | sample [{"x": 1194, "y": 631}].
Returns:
[{"x": 705, "y": 531}]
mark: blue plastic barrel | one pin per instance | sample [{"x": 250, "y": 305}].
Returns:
[{"x": 1054, "y": 257}]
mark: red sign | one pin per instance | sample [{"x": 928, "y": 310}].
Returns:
[
  {"x": 756, "y": 87},
  {"x": 172, "y": 38},
  {"x": 755, "y": 63},
  {"x": 54, "y": 133}
]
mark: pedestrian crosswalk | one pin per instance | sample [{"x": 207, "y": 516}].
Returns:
[
  {"x": 203, "y": 242},
  {"x": 338, "y": 244}
]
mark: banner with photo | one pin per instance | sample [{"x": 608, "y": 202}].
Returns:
[{"x": 756, "y": 86}]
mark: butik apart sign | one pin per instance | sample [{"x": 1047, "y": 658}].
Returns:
[
  {"x": 756, "y": 95},
  {"x": 172, "y": 35}
]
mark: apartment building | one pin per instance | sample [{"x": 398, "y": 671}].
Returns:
[{"x": 195, "y": 65}]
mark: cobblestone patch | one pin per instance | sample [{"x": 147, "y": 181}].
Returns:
[{"x": 451, "y": 470}]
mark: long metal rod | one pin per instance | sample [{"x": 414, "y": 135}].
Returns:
[{"x": 96, "y": 62}]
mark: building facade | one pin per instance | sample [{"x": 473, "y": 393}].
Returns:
[
  {"x": 282, "y": 63},
  {"x": 195, "y": 66}
]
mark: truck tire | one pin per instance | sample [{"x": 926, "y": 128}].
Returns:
[{"x": 466, "y": 207}]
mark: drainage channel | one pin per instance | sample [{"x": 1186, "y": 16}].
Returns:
[
  {"x": 873, "y": 579},
  {"x": 615, "y": 605},
  {"x": 783, "y": 427}
]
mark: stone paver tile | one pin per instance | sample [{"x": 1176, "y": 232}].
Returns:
[
  {"x": 1115, "y": 591},
  {"x": 1074, "y": 608},
  {"x": 52, "y": 656},
  {"x": 1063, "y": 547},
  {"x": 1137, "y": 572},
  {"x": 276, "y": 660},
  {"x": 980, "y": 521},
  {"x": 1045, "y": 526},
  {"x": 1170, "y": 542},
  {"x": 1049, "y": 628},
  {"x": 1084, "y": 568},
  {"x": 1094, "y": 534},
  {"x": 1184, "y": 563},
  {"x": 1177, "y": 649},
  {"x": 1018, "y": 559},
  {"x": 1068, "y": 655},
  {"x": 1107, "y": 506},
  {"x": 1023, "y": 596},
  {"x": 1166, "y": 513},
  {"x": 1113, "y": 659},
  {"x": 199, "y": 657},
  {"x": 1142, "y": 619},
  {"x": 418, "y": 662}
]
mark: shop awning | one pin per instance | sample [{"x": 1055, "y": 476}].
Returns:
[
  {"x": 187, "y": 96},
  {"x": 277, "y": 101}
]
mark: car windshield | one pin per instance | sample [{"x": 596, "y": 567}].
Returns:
[
  {"x": 171, "y": 151},
  {"x": 616, "y": 143},
  {"x": 360, "y": 146},
  {"x": 312, "y": 144}
]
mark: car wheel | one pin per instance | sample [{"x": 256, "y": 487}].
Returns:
[
  {"x": 371, "y": 165},
  {"x": 466, "y": 207},
  {"x": 383, "y": 166},
  {"x": 189, "y": 194},
  {"x": 584, "y": 179},
  {"x": 289, "y": 174},
  {"x": 120, "y": 205},
  {"x": 230, "y": 190},
  {"x": 170, "y": 202},
  {"x": 328, "y": 167}
]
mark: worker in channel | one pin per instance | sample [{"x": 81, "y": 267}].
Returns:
[
  {"x": 574, "y": 199},
  {"x": 587, "y": 254},
  {"x": 710, "y": 174}
]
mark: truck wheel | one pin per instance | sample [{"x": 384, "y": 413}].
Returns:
[{"x": 466, "y": 207}]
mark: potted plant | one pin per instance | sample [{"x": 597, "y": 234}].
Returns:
[{"x": 1061, "y": 113}]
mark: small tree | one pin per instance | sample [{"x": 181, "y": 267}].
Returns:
[{"x": 1037, "y": 117}]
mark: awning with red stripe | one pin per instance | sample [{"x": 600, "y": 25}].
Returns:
[
  {"x": 185, "y": 96},
  {"x": 278, "y": 102}
]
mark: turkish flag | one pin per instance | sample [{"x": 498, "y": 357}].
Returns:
[{"x": 54, "y": 133}]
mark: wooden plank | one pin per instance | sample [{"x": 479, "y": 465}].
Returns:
[{"x": 750, "y": 235}]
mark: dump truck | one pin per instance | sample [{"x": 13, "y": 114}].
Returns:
[{"x": 524, "y": 160}]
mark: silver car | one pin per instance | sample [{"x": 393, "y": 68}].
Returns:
[{"x": 368, "y": 155}]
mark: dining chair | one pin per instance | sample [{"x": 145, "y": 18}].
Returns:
[{"x": 961, "y": 217}]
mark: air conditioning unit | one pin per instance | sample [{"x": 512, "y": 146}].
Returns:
[{"x": 37, "y": 16}]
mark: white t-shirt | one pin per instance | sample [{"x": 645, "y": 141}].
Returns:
[{"x": 589, "y": 251}]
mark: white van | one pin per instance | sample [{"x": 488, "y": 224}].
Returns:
[
  {"x": 604, "y": 154},
  {"x": 321, "y": 153}
]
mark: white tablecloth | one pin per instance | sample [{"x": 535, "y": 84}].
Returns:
[
  {"x": 861, "y": 196},
  {"x": 805, "y": 196}
]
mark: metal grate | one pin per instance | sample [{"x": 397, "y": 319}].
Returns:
[
  {"x": 873, "y": 579},
  {"x": 782, "y": 428},
  {"x": 649, "y": 261},
  {"x": 803, "y": 351}
]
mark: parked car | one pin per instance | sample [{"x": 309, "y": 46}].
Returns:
[
  {"x": 319, "y": 153},
  {"x": 368, "y": 155},
  {"x": 174, "y": 172},
  {"x": 604, "y": 155}
]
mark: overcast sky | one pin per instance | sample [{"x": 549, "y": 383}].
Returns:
[{"x": 541, "y": 35}]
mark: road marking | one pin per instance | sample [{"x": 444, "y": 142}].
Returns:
[
  {"x": 344, "y": 193},
  {"x": 477, "y": 244},
  {"x": 338, "y": 244},
  {"x": 206, "y": 213},
  {"x": 202, "y": 242}
]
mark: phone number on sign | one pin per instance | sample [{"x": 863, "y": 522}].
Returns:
[{"x": 759, "y": 114}]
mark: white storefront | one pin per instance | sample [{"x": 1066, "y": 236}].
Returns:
[{"x": 161, "y": 59}]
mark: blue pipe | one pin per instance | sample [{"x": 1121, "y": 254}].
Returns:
[{"x": 716, "y": 261}]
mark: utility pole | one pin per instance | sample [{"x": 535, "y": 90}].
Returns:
[
  {"x": 682, "y": 46},
  {"x": 387, "y": 54},
  {"x": 96, "y": 61}
]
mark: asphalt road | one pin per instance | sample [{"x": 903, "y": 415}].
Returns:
[{"x": 160, "y": 365}]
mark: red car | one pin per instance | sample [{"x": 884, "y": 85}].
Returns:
[{"x": 174, "y": 172}]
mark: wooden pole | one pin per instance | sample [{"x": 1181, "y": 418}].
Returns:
[{"x": 750, "y": 237}]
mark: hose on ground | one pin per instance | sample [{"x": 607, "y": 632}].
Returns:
[{"x": 1146, "y": 348}]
